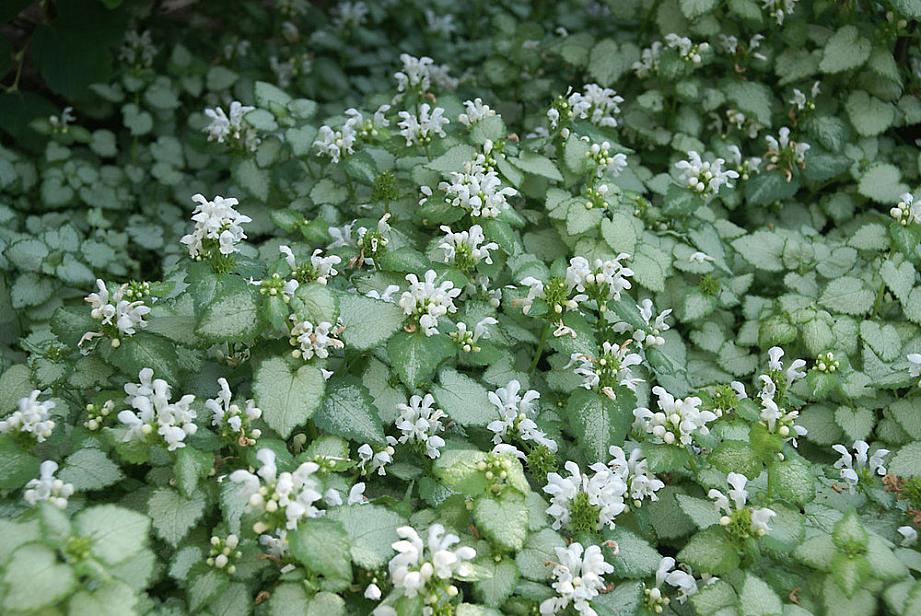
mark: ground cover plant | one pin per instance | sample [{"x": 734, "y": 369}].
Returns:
[{"x": 433, "y": 308}]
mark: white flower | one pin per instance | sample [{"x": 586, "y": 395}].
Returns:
[
  {"x": 596, "y": 104},
  {"x": 427, "y": 568},
  {"x": 442, "y": 25},
  {"x": 604, "y": 278},
  {"x": 604, "y": 373},
  {"x": 477, "y": 189},
  {"x": 779, "y": 8},
  {"x": 337, "y": 143},
  {"x": 605, "y": 162},
  {"x": 648, "y": 63},
  {"x": 47, "y": 488},
  {"x": 641, "y": 484},
  {"x": 651, "y": 335},
  {"x": 420, "y": 423},
  {"x": 386, "y": 295},
  {"x": 320, "y": 269},
  {"x": 313, "y": 340},
  {"x": 578, "y": 578},
  {"x": 373, "y": 592},
  {"x": 118, "y": 316},
  {"x": 906, "y": 211},
  {"x": 137, "y": 49},
  {"x": 475, "y": 111},
  {"x": 418, "y": 129},
  {"x": 371, "y": 461},
  {"x": 705, "y": 177},
  {"x": 296, "y": 495},
  {"x": 779, "y": 420},
  {"x": 784, "y": 152},
  {"x": 676, "y": 578},
  {"x": 153, "y": 412},
  {"x": 677, "y": 421},
  {"x": 852, "y": 466},
  {"x": 687, "y": 49},
  {"x": 31, "y": 417},
  {"x": 516, "y": 414},
  {"x": 426, "y": 302},
  {"x": 914, "y": 368},
  {"x": 342, "y": 236},
  {"x": 603, "y": 491},
  {"x": 735, "y": 503},
  {"x": 229, "y": 417},
  {"x": 466, "y": 339},
  {"x": 217, "y": 226},
  {"x": 223, "y": 128},
  {"x": 466, "y": 248},
  {"x": 350, "y": 14},
  {"x": 419, "y": 74},
  {"x": 535, "y": 290},
  {"x": 909, "y": 536}
]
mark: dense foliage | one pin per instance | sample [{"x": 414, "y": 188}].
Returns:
[{"x": 596, "y": 308}]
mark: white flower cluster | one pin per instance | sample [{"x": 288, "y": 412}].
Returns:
[
  {"x": 117, "y": 315},
  {"x": 516, "y": 414},
  {"x": 439, "y": 24},
  {"x": 426, "y": 302},
  {"x": 604, "y": 373},
  {"x": 705, "y": 178},
  {"x": 466, "y": 248},
  {"x": 648, "y": 64},
  {"x": 295, "y": 495},
  {"x": 155, "y": 413},
  {"x": 687, "y": 49},
  {"x": 371, "y": 461},
  {"x": 427, "y": 568},
  {"x": 477, "y": 189},
  {"x": 137, "y": 49},
  {"x": 651, "y": 335},
  {"x": 731, "y": 45},
  {"x": 217, "y": 225},
  {"x": 419, "y": 74},
  {"x": 336, "y": 143},
  {"x": 641, "y": 484},
  {"x": 420, "y": 423},
  {"x": 784, "y": 152},
  {"x": 313, "y": 340},
  {"x": 419, "y": 128},
  {"x": 777, "y": 419},
  {"x": 466, "y": 339},
  {"x": 744, "y": 166},
  {"x": 47, "y": 488},
  {"x": 906, "y": 211},
  {"x": 677, "y": 421},
  {"x": 778, "y": 9},
  {"x": 914, "y": 366},
  {"x": 578, "y": 578},
  {"x": 230, "y": 418},
  {"x": 596, "y": 104},
  {"x": 320, "y": 269},
  {"x": 853, "y": 466},
  {"x": 603, "y": 280},
  {"x": 605, "y": 162},
  {"x": 31, "y": 417},
  {"x": 666, "y": 573},
  {"x": 801, "y": 101},
  {"x": 747, "y": 520},
  {"x": 599, "y": 496},
  {"x": 232, "y": 128},
  {"x": 350, "y": 14},
  {"x": 474, "y": 111}
]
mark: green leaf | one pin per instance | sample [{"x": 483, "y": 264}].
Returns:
[
  {"x": 598, "y": 422},
  {"x": 463, "y": 399},
  {"x": 173, "y": 514},
  {"x": 736, "y": 457},
  {"x": 762, "y": 249},
  {"x": 712, "y": 598},
  {"x": 907, "y": 461},
  {"x": 287, "y": 398},
  {"x": 254, "y": 180},
  {"x": 869, "y": 115},
  {"x": 794, "y": 480},
  {"x": 758, "y": 599},
  {"x": 496, "y": 589},
  {"x": 846, "y": 49},
  {"x": 371, "y": 530},
  {"x": 900, "y": 278},
  {"x": 348, "y": 411},
  {"x": 636, "y": 558},
  {"x": 111, "y": 598},
  {"x": 539, "y": 550},
  {"x": 882, "y": 183},
  {"x": 17, "y": 467},
  {"x": 90, "y": 469},
  {"x": 322, "y": 546},
  {"x": 457, "y": 469},
  {"x": 192, "y": 466},
  {"x": 15, "y": 384},
  {"x": 693, "y": 9},
  {"x": 529, "y": 162},
  {"x": 116, "y": 533},
  {"x": 710, "y": 551},
  {"x": 368, "y": 322},
  {"x": 36, "y": 579},
  {"x": 701, "y": 511},
  {"x": 503, "y": 520},
  {"x": 415, "y": 357},
  {"x": 453, "y": 159},
  {"x": 206, "y": 587},
  {"x": 232, "y": 316},
  {"x": 847, "y": 295}
]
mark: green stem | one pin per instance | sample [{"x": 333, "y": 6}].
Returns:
[{"x": 540, "y": 349}]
